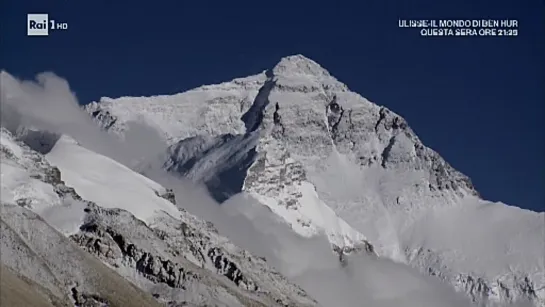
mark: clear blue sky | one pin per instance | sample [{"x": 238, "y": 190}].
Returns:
[{"x": 479, "y": 102}]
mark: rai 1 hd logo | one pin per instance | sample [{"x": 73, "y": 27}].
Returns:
[{"x": 41, "y": 25}]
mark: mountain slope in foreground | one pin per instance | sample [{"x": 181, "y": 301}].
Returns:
[
  {"x": 326, "y": 159},
  {"x": 105, "y": 235}
]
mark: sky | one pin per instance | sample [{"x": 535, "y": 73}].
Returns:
[{"x": 478, "y": 101}]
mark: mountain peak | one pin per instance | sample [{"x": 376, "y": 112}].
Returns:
[{"x": 299, "y": 65}]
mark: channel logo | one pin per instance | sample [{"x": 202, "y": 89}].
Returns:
[{"x": 41, "y": 25}]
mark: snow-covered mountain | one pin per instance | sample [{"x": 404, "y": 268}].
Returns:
[
  {"x": 64, "y": 211},
  {"x": 325, "y": 159}
]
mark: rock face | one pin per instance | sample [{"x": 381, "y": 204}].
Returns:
[
  {"x": 185, "y": 257},
  {"x": 70, "y": 250},
  {"x": 326, "y": 159}
]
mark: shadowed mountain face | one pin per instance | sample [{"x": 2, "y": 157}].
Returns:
[{"x": 325, "y": 159}]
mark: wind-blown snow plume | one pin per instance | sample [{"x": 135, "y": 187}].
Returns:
[{"x": 48, "y": 104}]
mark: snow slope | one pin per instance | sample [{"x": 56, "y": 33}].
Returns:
[
  {"x": 327, "y": 159},
  {"x": 28, "y": 180},
  {"x": 222, "y": 105},
  {"x": 104, "y": 181}
]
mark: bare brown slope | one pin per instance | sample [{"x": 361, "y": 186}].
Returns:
[
  {"x": 20, "y": 291},
  {"x": 24, "y": 233}
]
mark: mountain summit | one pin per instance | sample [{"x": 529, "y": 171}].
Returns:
[
  {"x": 325, "y": 159},
  {"x": 299, "y": 65}
]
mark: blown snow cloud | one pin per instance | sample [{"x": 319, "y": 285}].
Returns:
[{"x": 49, "y": 104}]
